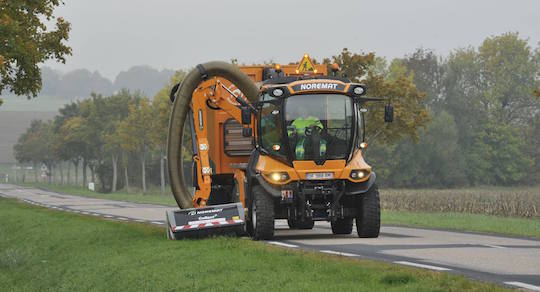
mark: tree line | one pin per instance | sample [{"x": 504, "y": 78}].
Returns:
[
  {"x": 107, "y": 135},
  {"x": 470, "y": 118},
  {"x": 484, "y": 126},
  {"x": 82, "y": 82}
]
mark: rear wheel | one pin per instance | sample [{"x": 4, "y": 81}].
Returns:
[
  {"x": 368, "y": 222},
  {"x": 342, "y": 226},
  {"x": 261, "y": 214}
]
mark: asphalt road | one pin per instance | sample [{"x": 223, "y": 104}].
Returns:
[{"x": 510, "y": 261}]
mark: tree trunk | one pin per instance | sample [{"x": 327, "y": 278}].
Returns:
[
  {"x": 61, "y": 169},
  {"x": 68, "y": 173},
  {"x": 35, "y": 171},
  {"x": 51, "y": 174},
  {"x": 85, "y": 179},
  {"x": 93, "y": 172},
  {"x": 162, "y": 171},
  {"x": 126, "y": 177},
  {"x": 115, "y": 172},
  {"x": 76, "y": 164},
  {"x": 126, "y": 173},
  {"x": 143, "y": 163}
]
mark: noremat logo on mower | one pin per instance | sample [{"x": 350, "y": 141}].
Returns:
[
  {"x": 202, "y": 212},
  {"x": 319, "y": 86}
]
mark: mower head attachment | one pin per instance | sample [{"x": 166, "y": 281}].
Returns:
[{"x": 226, "y": 219}]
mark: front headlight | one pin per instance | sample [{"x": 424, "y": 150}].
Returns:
[
  {"x": 359, "y": 174},
  {"x": 278, "y": 176}
]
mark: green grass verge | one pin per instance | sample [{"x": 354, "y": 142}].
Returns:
[
  {"x": 152, "y": 197},
  {"x": 529, "y": 227},
  {"x": 42, "y": 249}
]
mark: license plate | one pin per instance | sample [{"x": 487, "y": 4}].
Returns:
[{"x": 320, "y": 175}]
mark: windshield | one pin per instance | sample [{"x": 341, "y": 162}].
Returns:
[
  {"x": 271, "y": 126},
  {"x": 319, "y": 126}
]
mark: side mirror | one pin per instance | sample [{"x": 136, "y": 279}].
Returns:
[
  {"x": 246, "y": 121},
  {"x": 246, "y": 115},
  {"x": 388, "y": 113}
]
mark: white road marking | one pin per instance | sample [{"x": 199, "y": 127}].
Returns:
[
  {"x": 108, "y": 216},
  {"x": 122, "y": 218},
  {"x": 96, "y": 214},
  {"x": 422, "y": 266},
  {"x": 340, "y": 253},
  {"x": 139, "y": 220},
  {"x": 493, "y": 246},
  {"x": 282, "y": 244},
  {"x": 524, "y": 285},
  {"x": 157, "y": 222}
]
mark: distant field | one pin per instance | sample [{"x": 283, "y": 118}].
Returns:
[
  {"x": 13, "y": 124},
  {"x": 17, "y": 112},
  {"x": 80, "y": 253},
  {"x": 38, "y": 104}
]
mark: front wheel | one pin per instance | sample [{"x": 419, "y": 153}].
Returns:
[
  {"x": 261, "y": 214},
  {"x": 368, "y": 221}
]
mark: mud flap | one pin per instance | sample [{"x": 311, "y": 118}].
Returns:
[{"x": 226, "y": 219}]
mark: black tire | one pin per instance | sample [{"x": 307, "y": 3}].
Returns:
[
  {"x": 296, "y": 224},
  {"x": 291, "y": 222},
  {"x": 368, "y": 222},
  {"x": 261, "y": 214},
  {"x": 342, "y": 226}
]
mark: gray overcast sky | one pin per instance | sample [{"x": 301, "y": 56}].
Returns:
[{"x": 111, "y": 36}]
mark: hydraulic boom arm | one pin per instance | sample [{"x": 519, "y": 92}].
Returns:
[{"x": 213, "y": 94}]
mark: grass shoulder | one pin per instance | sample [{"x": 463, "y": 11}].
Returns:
[
  {"x": 75, "y": 252},
  {"x": 527, "y": 227}
]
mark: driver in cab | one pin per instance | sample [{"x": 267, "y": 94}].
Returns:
[{"x": 298, "y": 128}]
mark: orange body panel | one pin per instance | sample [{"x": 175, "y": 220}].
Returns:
[{"x": 268, "y": 165}]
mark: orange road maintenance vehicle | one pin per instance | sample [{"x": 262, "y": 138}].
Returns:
[{"x": 271, "y": 142}]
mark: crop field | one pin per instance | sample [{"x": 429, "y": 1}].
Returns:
[{"x": 498, "y": 201}]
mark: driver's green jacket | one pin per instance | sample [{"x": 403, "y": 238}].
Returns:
[{"x": 300, "y": 124}]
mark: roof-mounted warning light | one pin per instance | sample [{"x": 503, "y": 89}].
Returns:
[
  {"x": 335, "y": 68},
  {"x": 277, "y": 67}
]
